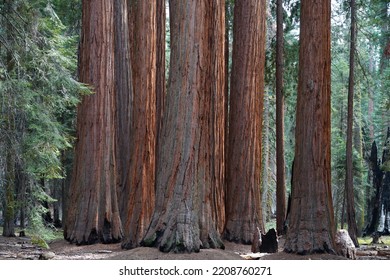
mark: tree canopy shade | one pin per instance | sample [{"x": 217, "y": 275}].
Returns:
[
  {"x": 311, "y": 223},
  {"x": 183, "y": 220},
  {"x": 93, "y": 213}
]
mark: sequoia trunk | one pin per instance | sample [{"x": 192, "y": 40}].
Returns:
[
  {"x": 243, "y": 213},
  {"x": 93, "y": 213},
  {"x": 139, "y": 186},
  {"x": 186, "y": 217},
  {"x": 124, "y": 97},
  {"x": 160, "y": 67},
  {"x": 311, "y": 225}
]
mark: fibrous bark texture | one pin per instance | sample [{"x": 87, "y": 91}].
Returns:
[
  {"x": 124, "y": 95},
  {"x": 311, "y": 225},
  {"x": 190, "y": 150},
  {"x": 138, "y": 196},
  {"x": 160, "y": 64},
  {"x": 93, "y": 209},
  {"x": 243, "y": 204}
]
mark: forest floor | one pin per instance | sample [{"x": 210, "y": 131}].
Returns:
[{"x": 22, "y": 248}]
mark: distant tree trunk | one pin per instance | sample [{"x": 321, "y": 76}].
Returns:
[
  {"x": 280, "y": 165},
  {"x": 386, "y": 182},
  {"x": 10, "y": 153},
  {"x": 57, "y": 205},
  {"x": 358, "y": 145},
  {"x": 343, "y": 210},
  {"x": 351, "y": 217},
  {"x": 228, "y": 13},
  {"x": 46, "y": 216},
  {"x": 93, "y": 213},
  {"x": 10, "y": 203},
  {"x": 67, "y": 161},
  {"x": 21, "y": 186},
  {"x": 370, "y": 116},
  {"x": 311, "y": 220},
  {"x": 139, "y": 187},
  {"x": 265, "y": 161},
  {"x": 243, "y": 204},
  {"x": 186, "y": 216}
]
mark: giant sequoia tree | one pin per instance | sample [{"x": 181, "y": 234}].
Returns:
[
  {"x": 93, "y": 213},
  {"x": 311, "y": 225},
  {"x": 187, "y": 193},
  {"x": 138, "y": 187},
  {"x": 243, "y": 203},
  {"x": 124, "y": 97}
]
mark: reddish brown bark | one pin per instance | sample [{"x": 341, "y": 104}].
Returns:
[
  {"x": 160, "y": 61},
  {"x": 186, "y": 217},
  {"x": 218, "y": 112},
  {"x": 93, "y": 209},
  {"x": 124, "y": 96},
  {"x": 311, "y": 223},
  {"x": 139, "y": 188},
  {"x": 243, "y": 204}
]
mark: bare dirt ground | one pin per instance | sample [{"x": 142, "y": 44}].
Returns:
[{"x": 21, "y": 248}]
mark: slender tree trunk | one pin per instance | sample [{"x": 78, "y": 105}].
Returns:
[
  {"x": 370, "y": 116},
  {"x": 386, "y": 181},
  {"x": 10, "y": 153},
  {"x": 311, "y": 225},
  {"x": 243, "y": 204},
  {"x": 65, "y": 185},
  {"x": 358, "y": 145},
  {"x": 57, "y": 205},
  {"x": 351, "y": 216},
  {"x": 139, "y": 187},
  {"x": 21, "y": 186},
  {"x": 186, "y": 216},
  {"x": 265, "y": 161},
  {"x": 280, "y": 165},
  {"x": 93, "y": 213},
  {"x": 343, "y": 209},
  {"x": 10, "y": 203},
  {"x": 371, "y": 94},
  {"x": 228, "y": 9}
]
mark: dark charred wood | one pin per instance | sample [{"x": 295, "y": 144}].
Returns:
[
  {"x": 378, "y": 187},
  {"x": 265, "y": 243}
]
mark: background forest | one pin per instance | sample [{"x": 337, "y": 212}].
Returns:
[{"x": 40, "y": 91}]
